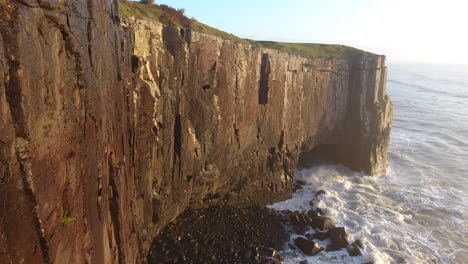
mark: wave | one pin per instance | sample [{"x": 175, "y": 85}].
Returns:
[{"x": 382, "y": 213}]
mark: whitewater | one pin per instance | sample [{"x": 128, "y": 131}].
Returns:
[{"x": 418, "y": 211}]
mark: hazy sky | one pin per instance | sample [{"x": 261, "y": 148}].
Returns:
[{"x": 404, "y": 30}]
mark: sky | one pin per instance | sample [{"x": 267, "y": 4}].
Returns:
[{"x": 404, "y": 30}]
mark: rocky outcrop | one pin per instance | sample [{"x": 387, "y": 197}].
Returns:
[{"x": 111, "y": 129}]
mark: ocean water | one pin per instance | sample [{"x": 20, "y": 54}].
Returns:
[{"x": 418, "y": 212}]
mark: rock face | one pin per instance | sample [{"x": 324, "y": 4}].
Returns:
[{"x": 111, "y": 129}]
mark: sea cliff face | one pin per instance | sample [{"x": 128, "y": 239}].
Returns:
[{"x": 110, "y": 128}]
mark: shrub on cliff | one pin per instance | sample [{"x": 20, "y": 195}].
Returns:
[
  {"x": 177, "y": 15},
  {"x": 147, "y": 2}
]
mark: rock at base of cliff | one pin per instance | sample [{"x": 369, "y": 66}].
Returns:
[
  {"x": 308, "y": 247},
  {"x": 222, "y": 235},
  {"x": 354, "y": 249},
  {"x": 321, "y": 222},
  {"x": 338, "y": 236}
]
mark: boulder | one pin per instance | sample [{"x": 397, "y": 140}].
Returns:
[
  {"x": 320, "y": 211},
  {"x": 297, "y": 187},
  {"x": 308, "y": 247},
  {"x": 321, "y": 222},
  {"x": 333, "y": 247},
  {"x": 338, "y": 236},
  {"x": 301, "y": 182},
  {"x": 300, "y": 219},
  {"x": 321, "y": 192},
  {"x": 312, "y": 213},
  {"x": 354, "y": 249},
  {"x": 304, "y": 262}
]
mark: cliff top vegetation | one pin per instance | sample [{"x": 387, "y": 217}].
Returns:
[{"x": 176, "y": 17}]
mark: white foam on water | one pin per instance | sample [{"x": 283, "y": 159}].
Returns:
[{"x": 364, "y": 205}]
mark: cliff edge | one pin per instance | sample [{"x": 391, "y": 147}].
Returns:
[{"x": 111, "y": 128}]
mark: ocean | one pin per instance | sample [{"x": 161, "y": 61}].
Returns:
[{"x": 418, "y": 211}]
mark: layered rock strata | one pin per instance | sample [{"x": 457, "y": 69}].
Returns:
[{"x": 110, "y": 129}]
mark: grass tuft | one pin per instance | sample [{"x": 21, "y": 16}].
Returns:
[{"x": 67, "y": 220}]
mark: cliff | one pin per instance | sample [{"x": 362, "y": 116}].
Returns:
[{"x": 111, "y": 128}]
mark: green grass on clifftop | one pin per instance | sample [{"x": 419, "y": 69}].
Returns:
[
  {"x": 313, "y": 50},
  {"x": 172, "y": 17}
]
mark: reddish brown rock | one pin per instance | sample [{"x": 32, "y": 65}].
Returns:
[{"x": 117, "y": 127}]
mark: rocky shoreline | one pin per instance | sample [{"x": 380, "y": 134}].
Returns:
[
  {"x": 220, "y": 235},
  {"x": 248, "y": 235}
]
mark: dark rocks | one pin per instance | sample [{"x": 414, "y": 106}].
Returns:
[
  {"x": 308, "y": 247},
  {"x": 321, "y": 222},
  {"x": 286, "y": 212},
  {"x": 222, "y": 235},
  {"x": 320, "y": 211},
  {"x": 312, "y": 213},
  {"x": 354, "y": 249},
  {"x": 270, "y": 252},
  {"x": 321, "y": 192},
  {"x": 269, "y": 260},
  {"x": 319, "y": 235},
  {"x": 333, "y": 247},
  {"x": 338, "y": 236},
  {"x": 296, "y": 187},
  {"x": 304, "y": 262}
]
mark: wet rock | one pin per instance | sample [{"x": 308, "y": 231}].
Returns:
[
  {"x": 333, "y": 247},
  {"x": 304, "y": 262},
  {"x": 313, "y": 202},
  {"x": 321, "y": 222},
  {"x": 320, "y": 211},
  {"x": 300, "y": 219},
  {"x": 286, "y": 212},
  {"x": 297, "y": 187},
  {"x": 338, "y": 236},
  {"x": 321, "y": 192},
  {"x": 301, "y": 182},
  {"x": 320, "y": 236},
  {"x": 292, "y": 246},
  {"x": 308, "y": 247},
  {"x": 312, "y": 213},
  {"x": 354, "y": 249}
]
